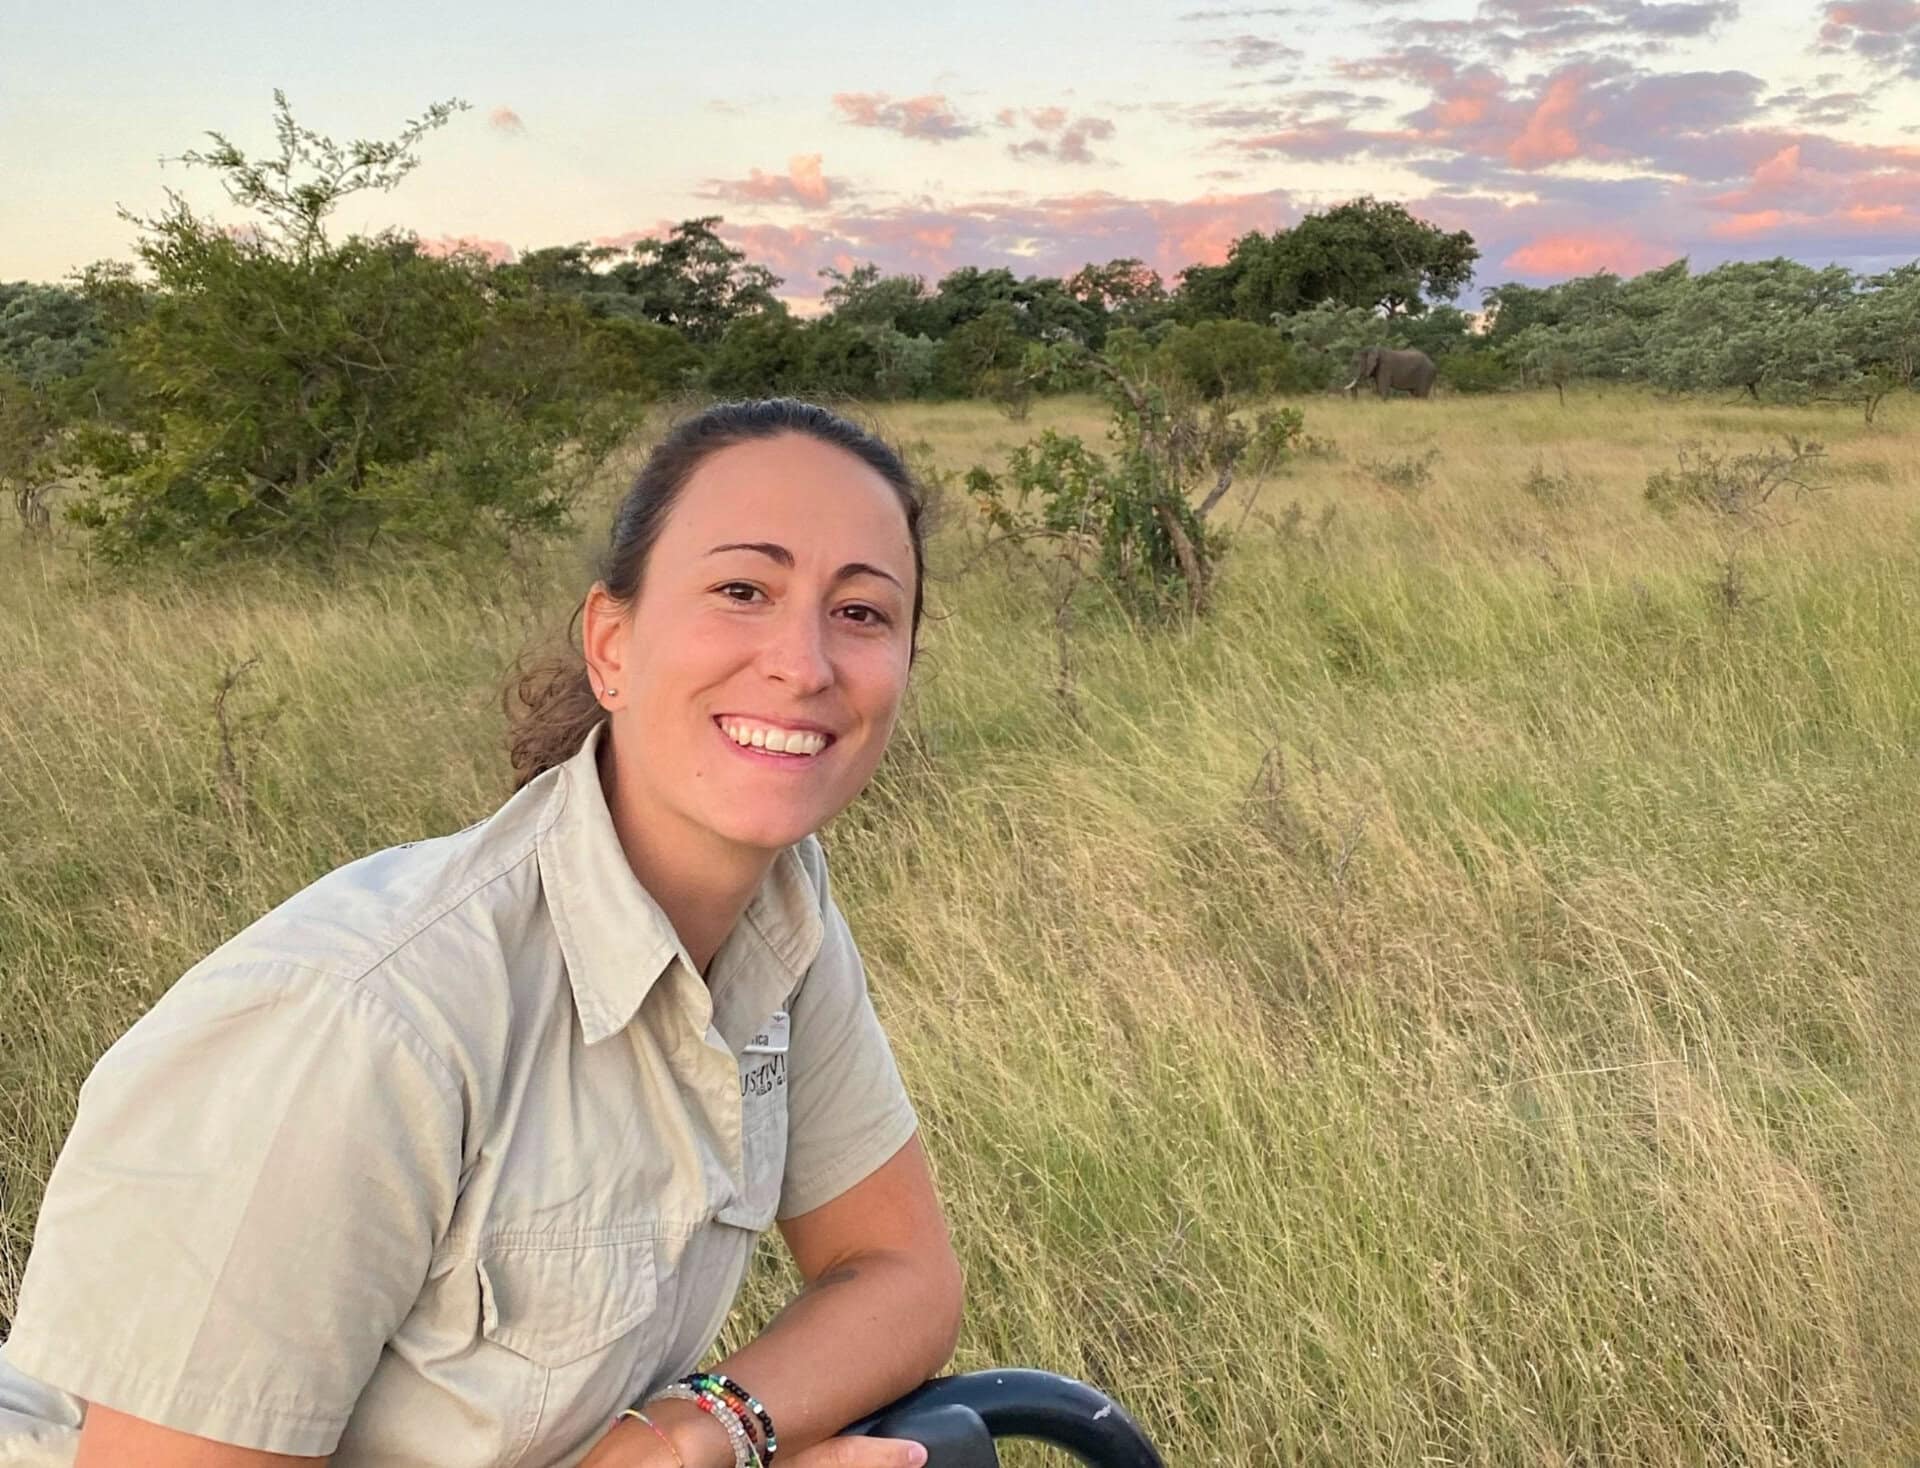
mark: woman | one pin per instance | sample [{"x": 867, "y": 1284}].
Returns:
[{"x": 464, "y": 1149}]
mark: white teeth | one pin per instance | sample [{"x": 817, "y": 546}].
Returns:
[{"x": 776, "y": 741}]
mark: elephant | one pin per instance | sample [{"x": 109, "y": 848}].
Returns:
[{"x": 1389, "y": 369}]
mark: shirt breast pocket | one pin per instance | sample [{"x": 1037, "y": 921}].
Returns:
[
  {"x": 555, "y": 1303},
  {"x": 763, "y": 1140}
]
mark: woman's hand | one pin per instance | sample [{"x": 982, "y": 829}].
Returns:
[
  {"x": 859, "y": 1452},
  {"x": 632, "y": 1445}
]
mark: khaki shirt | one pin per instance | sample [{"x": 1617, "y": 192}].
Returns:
[{"x": 449, "y": 1157}]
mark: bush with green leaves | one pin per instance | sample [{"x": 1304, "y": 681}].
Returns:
[
  {"x": 1326, "y": 338},
  {"x": 1223, "y": 359},
  {"x": 30, "y": 430},
  {"x": 294, "y": 394},
  {"x": 1129, "y": 517},
  {"x": 47, "y": 332},
  {"x": 1475, "y": 371},
  {"x": 758, "y": 356},
  {"x": 1740, "y": 486}
]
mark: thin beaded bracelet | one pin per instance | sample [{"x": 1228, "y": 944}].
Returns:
[
  {"x": 731, "y": 1401},
  {"x": 638, "y": 1416},
  {"x": 770, "y": 1444},
  {"x": 745, "y": 1454}
]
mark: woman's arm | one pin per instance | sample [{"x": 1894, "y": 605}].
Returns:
[
  {"x": 880, "y": 1313},
  {"x": 110, "y": 1439}
]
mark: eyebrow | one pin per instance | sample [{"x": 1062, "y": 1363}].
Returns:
[{"x": 785, "y": 557}]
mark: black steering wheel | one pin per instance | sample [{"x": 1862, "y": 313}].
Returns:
[{"x": 957, "y": 1418}]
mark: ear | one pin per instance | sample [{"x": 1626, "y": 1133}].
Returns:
[{"x": 603, "y": 625}]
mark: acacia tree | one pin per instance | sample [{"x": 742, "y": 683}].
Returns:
[
  {"x": 1884, "y": 323},
  {"x": 1772, "y": 329},
  {"x": 290, "y": 392},
  {"x": 1366, "y": 253}
]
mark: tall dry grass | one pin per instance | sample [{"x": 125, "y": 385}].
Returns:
[{"x": 1456, "y": 1005}]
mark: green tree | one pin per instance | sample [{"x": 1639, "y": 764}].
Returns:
[
  {"x": 1884, "y": 324},
  {"x": 642, "y": 357},
  {"x": 694, "y": 281},
  {"x": 1223, "y": 359},
  {"x": 1126, "y": 288},
  {"x": 865, "y": 297},
  {"x": 1205, "y": 292},
  {"x": 1326, "y": 338},
  {"x": 290, "y": 393},
  {"x": 842, "y": 360},
  {"x": 1365, "y": 253},
  {"x": 1439, "y": 331},
  {"x": 1773, "y": 329},
  {"x": 760, "y": 355},
  {"x": 991, "y": 343},
  {"x": 48, "y": 333},
  {"x": 968, "y": 293},
  {"x": 30, "y": 429}
]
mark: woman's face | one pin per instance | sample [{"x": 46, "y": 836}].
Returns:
[{"x": 760, "y": 671}]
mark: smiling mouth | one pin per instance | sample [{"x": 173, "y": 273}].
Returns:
[{"x": 773, "y": 738}]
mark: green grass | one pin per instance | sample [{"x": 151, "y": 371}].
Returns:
[{"x": 1456, "y": 1005}]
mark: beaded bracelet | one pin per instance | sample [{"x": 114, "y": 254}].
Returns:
[
  {"x": 638, "y": 1416},
  {"x": 730, "y": 1401},
  {"x": 770, "y": 1444},
  {"x": 745, "y": 1454}
]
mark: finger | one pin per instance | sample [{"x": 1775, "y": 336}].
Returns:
[{"x": 870, "y": 1452}]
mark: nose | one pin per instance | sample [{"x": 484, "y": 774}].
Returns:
[{"x": 795, "y": 652}]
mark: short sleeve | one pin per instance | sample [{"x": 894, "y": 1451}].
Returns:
[
  {"x": 847, "y": 1110},
  {"x": 244, "y": 1211}
]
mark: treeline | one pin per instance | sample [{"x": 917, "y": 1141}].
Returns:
[
  {"x": 1771, "y": 330},
  {"x": 1284, "y": 314},
  {"x": 268, "y": 385}
]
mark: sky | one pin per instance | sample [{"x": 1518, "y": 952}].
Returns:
[{"x": 1567, "y": 135}]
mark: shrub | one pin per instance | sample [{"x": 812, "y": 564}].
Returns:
[
  {"x": 1475, "y": 372},
  {"x": 1741, "y": 486},
  {"x": 1552, "y": 488},
  {"x": 1218, "y": 359},
  {"x": 643, "y": 357},
  {"x": 289, "y": 393},
  {"x": 758, "y": 356},
  {"x": 1406, "y": 475},
  {"x": 1130, "y": 518}
]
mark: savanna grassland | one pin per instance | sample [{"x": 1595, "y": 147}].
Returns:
[{"x": 1455, "y": 1004}]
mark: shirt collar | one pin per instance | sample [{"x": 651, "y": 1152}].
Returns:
[{"x": 617, "y": 941}]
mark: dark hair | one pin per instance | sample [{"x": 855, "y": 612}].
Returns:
[{"x": 556, "y": 703}]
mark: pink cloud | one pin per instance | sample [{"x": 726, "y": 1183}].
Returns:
[
  {"x": 1780, "y": 171},
  {"x": 803, "y": 184},
  {"x": 1752, "y": 224},
  {"x": 1548, "y": 136},
  {"x": 930, "y": 118},
  {"x": 1883, "y": 32},
  {"x": 506, "y": 120},
  {"x": 1878, "y": 214},
  {"x": 1584, "y": 254},
  {"x": 1071, "y": 230},
  {"x": 1325, "y": 139},
  {"x": 628, "y": 238},
  {"x": 1057, "y": 135},
  {"x": 498, "y": 252}
]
